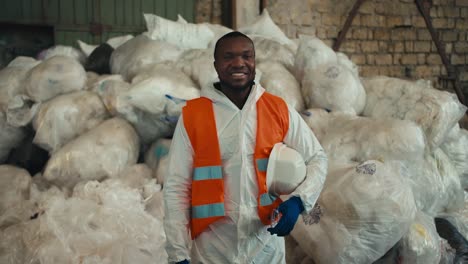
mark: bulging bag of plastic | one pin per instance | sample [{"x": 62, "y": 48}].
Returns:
[
  {"x": 54, "y": 76},
  {"x": 65, "y": 117},
  {"x": 271, "y": 50},
  {"x": 157, "y": 158},
  {"x": 422, "y": 243},
  {"x": 14, "y": 186},
  {"x": 154, "y": 103},
  {"x": 10, "y": 137},
  {"x": 456, "y": 148},
  {"x": 436, "y": 183},
  {"x": 12, "y": 78},
  {"x": 99, "y": 153},
  {"x": 62, "y": 50},
  {"x": 277, "y": 80},
  {"x": 366, "y": 209},
  {"x": 347, "y": 138},
  {"x": 435, "y": 111},
  {"x": 335, "y": 87},
  {"x": 139, "y": 52},
  {"x": 106, "y": 223},
  {"x": 183, "y": 35},
  {"x": 198, "y": 64},
  {"x": 311, "y": 53}
]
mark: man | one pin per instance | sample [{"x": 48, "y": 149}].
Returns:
[{"x": 217, "y": 209}]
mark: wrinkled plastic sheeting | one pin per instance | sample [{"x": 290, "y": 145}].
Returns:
[
  {"x": 271, "y": 50},
  {"x": 436, "y": 183},
  {"x": 65, "y": 117},
  {"x": 456, "y": 148},
  {"x": 435, "y": 111},
  {"x": 139, "y": 52},
  {"x": 157, "y": 158},
  {"x": 105, "y": 224},
  {"x": 335, "y": 87},
  {"x": 198, "y": 64},
  {"x": 12, "y": 77},
  {"x": 12, "y": 248},
  {"x": 311, "y": 53},
  {"x": 14, "y": 190},
  {"x": 366, "y": 209},
  {"x": 10, "y": 137},
  {"x": 347, "y": 138},
  {"x": 62, "y": 50},
  {"x": 183, "y": 35},
  {"x": 99, "y": 153},
  {"x": 279, "y": 81},
  {"x": 155, "y": 99},
  {"x": 459, "y": 218},
  {"x": 266, "y": 27},
  {"x": 422, "y": 244},
  {"x": 54, "y": 76}
]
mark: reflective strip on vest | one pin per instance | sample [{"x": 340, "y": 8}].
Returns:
[
  {"x": 262, "y": 164},
  {"x": 208, "y": 210},
  {"x": 267, "y": 199},
  {"x": 207, "y": 173}
]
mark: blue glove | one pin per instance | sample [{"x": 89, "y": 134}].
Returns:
[
  {"x": 290, "y": 211},
  {"x": 183, "y": 262}
]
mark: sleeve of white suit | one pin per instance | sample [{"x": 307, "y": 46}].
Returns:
[
  {"x": 177, "y": 189},
  {"x": 301, "y": 138}
]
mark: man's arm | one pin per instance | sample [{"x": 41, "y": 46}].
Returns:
[
  {"x": 177, "y": 189},
  {"x": 301, "y": 138}
]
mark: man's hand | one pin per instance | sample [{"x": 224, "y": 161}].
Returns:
[{"x": 290, "y": 211}]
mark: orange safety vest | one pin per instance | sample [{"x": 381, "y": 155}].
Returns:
[{"x": 207, "y": 178}]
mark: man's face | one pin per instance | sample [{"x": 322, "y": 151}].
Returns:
[{"x": 235, "y": 62}]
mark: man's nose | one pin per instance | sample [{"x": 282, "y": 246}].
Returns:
[{"x": 238, "y": 61}]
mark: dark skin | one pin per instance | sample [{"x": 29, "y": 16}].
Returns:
[{"x": 235, "y": 65}]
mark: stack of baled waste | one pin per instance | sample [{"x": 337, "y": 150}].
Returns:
[{"x": 397, "y": 156}]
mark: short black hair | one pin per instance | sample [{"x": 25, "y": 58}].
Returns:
[{"x": 232, "y": 34}]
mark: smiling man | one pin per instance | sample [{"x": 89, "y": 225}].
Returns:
[{"x": 217, "y": 206}]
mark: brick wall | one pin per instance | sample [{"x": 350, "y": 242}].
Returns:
[{"x": 386, "y": 37}]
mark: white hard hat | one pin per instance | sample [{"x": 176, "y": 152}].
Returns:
[{"x": 285, "y": 171}]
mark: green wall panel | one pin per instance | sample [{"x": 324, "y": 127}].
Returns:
[{"x": 72, "y": 19}]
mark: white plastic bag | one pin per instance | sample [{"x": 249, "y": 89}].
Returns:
[
  {"x": 14, "y": 186},
  {"x": 65, "y": 117},
  {"x": 184, "y": 35},
  {"x": 311, "y": 53},
  {"x": 333, "y": 86},
  {"x": 367, "y": 208},
  {"x": 12, "y": 78},
  {"x": 54, "y": 76},
  {"x": 422, "y": 243},
  {"x": 456, "y": 148},
  {"x": 139, "y": 52},
  {"x": 271, "y": 50},
  {"x": 277, "y": 80},
  {"x": 157, "y": 158},
  {"x": 198, "y": 64},
  {"x": 62, "y": 50},
  {"x": 435, "y": 111},
  {"x": 10, "y": 137},
  {"x": 100, "y": 153},
  {"x": 348, "y": 138},
  {"x": 266, "y": 27},
  {"x": 436, "y": 183}
]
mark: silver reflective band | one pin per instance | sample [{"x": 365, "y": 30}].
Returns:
[
  {"x": 266, "y": 199},
  {"x": 262, "y": 164},
  {"x": 208, "y": 210},
  {"x": 207, "y": 173}
]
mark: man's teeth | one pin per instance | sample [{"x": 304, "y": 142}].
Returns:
[{"x": 238, "y": 74}]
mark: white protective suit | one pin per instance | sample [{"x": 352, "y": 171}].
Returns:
[{"x": 240, "y": 237}]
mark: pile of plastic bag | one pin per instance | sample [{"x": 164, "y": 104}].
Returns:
[{"x": 105, "y": 115}]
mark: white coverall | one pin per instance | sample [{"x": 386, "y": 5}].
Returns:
[{"x": 240, "y": 237}]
